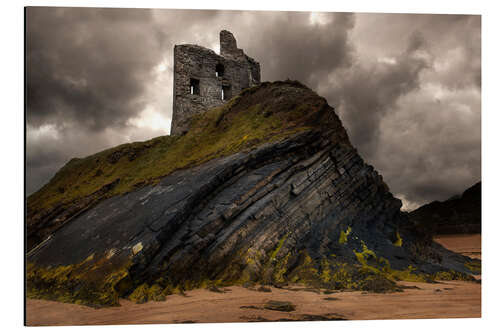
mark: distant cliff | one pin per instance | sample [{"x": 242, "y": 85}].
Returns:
[
  {"x": 265, "y": 189},
  {"x": 460, "y": 214}
]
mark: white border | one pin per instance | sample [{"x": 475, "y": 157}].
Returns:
[{"x": 13, "y": 148}]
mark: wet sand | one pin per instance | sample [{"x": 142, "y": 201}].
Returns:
[
  {"x": 468, "y": 245},
  {"x": 446, "y": 299}
]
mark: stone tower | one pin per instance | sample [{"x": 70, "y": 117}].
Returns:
[{"x": 203, "y": 79}]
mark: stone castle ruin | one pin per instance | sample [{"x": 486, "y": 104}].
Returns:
[{"x": 204, "y": 79}]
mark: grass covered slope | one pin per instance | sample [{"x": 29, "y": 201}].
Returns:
[{"x": 266, "y": 113}]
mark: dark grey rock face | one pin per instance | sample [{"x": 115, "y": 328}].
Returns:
[
  {"x": 204, "y": 79},
  {"x": 251, "y": 215}
]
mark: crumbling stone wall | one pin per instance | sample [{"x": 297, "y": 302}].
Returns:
[{"x": 203, "y": 79}]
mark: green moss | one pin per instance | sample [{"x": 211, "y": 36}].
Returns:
[
  {"x": 326, "y": 273},
  {"x": 280, "y": 269},
  {"x": 343, "y": 235},
  {"x": 334, "y": 274},
  {"x": 474, "y": 266},
  {"x": 451, "y": 275},
  {"x": 407, "y": 275},
  {"x": 398, "y": 241},
  {"x": 274, "y": 269},
  {"x": 364, "y": 255},
  {"x": 377, "y": 283},
  {"x": 306, "y": 271},
  {"x": 155, "y": 293},
  {"x": 280, "y": 245},
  {"x": 382, "y": 266},
  {"x": 88, "y": 283},
  {"x": 342, "y": 275},
  {"x": 379, "y": 265},
  {"x": 177, "y": 290},
  {"x": 144, "y": 293},
  {"x": 140, "y": 294},
  {"x": 162, "y": 287}
]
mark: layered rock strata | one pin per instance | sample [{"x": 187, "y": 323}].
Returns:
[{"x": 305, "y": 208}]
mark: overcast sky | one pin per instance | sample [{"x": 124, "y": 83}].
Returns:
[{"x": 407, "y": 87}]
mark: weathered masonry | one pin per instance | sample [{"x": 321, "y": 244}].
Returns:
[{"x": 203, "y": 79}]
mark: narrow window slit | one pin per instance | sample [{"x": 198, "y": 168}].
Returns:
[
  {"x": 194, "y": 86},
  {"x": 226, "y": 92},
  {"x": 219, "y": 70}
]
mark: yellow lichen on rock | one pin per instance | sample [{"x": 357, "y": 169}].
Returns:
[{"x": 343, "y": 235}]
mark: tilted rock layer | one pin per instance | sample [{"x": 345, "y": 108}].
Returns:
[{"x": 296, "y": 204}]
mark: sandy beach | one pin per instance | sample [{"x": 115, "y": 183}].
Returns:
[
  {"x": 446, "y": 299},
  {"x": 468, "y": 245}
]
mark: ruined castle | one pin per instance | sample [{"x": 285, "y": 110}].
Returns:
[{"x": 204, "y": 79}]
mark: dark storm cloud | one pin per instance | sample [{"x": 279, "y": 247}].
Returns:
[
  {"x": 87, "y": 65},
  {"x": 431, "y": 150},
  {"x": 289, "y": 46},
  {"x": 88, "y": 72},
  {"x": 42, "y": 160},
  {"x": 407, "y": 87},
  {"x": 367, "y": 93},
  {"x": 426, "y": 141}
]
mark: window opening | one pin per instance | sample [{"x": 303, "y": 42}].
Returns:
[
  {"x": 219, "y": 70},
  {"x": 194, "y": 86},
  {"x": 226, "y": 93}
]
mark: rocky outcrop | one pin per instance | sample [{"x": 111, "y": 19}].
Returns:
[
  {"x": 42, "y": 224},
  {"x": 460, "y": 214},
  {"x": 305, "y": 208}
]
